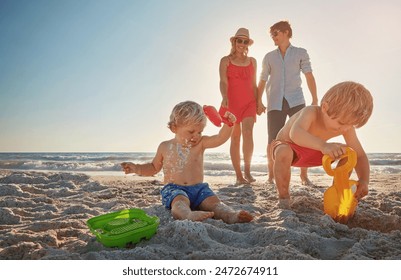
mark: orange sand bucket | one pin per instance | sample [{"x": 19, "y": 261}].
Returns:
[{"x": 339, "y": 200}]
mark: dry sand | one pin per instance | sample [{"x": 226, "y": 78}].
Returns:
[{"x": 43, "y": 216}]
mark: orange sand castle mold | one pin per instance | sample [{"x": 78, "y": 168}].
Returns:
[{"x": 339, "y": 199}]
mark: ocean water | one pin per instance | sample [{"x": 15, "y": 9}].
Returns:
[{"x": 215, "y": 164}]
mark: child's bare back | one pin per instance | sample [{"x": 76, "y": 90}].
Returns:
[{"x": 303, "y": 139}]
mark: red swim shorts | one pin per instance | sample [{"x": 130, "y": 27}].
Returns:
[{"x": 303, "y": 157}]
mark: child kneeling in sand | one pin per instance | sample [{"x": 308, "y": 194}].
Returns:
[
  {"x": 181, "y": 158},
  {"x": 302, "y": 142}
]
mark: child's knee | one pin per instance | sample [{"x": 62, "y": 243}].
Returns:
[
  {"x": 283, "y": 154},
  {"x": 180, "y": 202}
]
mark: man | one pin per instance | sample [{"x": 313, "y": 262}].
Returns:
[{"x": 284, "y": 92}]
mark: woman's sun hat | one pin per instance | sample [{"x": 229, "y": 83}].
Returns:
[{"x": 242, "y": 33}]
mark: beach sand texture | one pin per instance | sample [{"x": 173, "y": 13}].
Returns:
[{"x": 43, "y": 216}]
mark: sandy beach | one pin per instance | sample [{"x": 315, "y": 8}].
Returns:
[{"x": 43, "y": 215}]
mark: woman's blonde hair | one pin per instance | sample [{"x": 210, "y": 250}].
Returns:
[
  {"x": 350, "y": 101},
  {"x": 186, "y": 113}
]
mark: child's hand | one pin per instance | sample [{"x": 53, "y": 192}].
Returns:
[
  {"x": 334, "y": 150},
  {"x": 230, "y": 117},
  {"x": 129, "y": 167},
  {"x": 362, "y": 190}
]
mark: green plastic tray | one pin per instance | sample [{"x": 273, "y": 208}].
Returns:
[{"x": 117, "y": 229}]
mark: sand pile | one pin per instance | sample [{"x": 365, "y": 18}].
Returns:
[{"x": 43, "y": 216}]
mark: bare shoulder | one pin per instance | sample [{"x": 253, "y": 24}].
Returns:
[
  {"x": 224, "y": 60},
  {"x": 311, "y": 111},
  {"x": 307, "y": 115},
  {"x": 163, "y": 146}
]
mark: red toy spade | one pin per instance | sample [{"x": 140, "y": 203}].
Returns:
[{"x": 214, "y": 116}]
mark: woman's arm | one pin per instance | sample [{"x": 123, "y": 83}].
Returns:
[
  {"x": 255, "y": 87},
  {"x": 223, "y": 81}
]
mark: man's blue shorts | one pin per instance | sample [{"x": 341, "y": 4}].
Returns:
[{"x": 196, "y": 194}]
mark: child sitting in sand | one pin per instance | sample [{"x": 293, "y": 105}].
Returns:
[
  {"x": 181, "y": 158},
  {"x": 302, "y": 142}
]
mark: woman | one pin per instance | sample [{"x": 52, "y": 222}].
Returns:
[{"x": 239, "y": 91}]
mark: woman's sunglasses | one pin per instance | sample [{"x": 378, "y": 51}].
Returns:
[{"x": 241, "y": 41}]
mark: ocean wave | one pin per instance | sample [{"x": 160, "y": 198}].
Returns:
[
  {"x": 389, "y": 162},
  {"x": 218, "y": 164},
  {"x": 61, "y": 166},
  {"x": 213, "y": 166}
]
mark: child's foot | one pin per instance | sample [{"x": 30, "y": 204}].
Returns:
[
  {"x": 244, "y": 217},
  {"x": 238, "y": 217},
  {"x": 198, "y": 216},
  {"x": 230, "y": 216}
]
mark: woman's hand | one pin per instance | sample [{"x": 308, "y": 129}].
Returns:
[
  {"x": 224, "y": 103},
  {"x": 260, "y": 109}
]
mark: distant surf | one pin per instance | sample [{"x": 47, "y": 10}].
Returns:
[{"x": 215, "y": 164}]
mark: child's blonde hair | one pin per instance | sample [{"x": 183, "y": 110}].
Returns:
[
  {"x": 350, "y": 101},
  {"x": 185, "y": 113}
]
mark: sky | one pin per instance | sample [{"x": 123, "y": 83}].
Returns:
[{"x": 103, "y": 76}]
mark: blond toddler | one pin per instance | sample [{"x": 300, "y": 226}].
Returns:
[
  {"x": 181, "y": 159},
  {"x": 303, "y": 140}
]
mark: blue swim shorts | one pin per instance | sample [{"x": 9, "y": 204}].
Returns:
[{"x": 196, "y": 194}]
